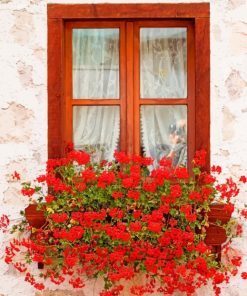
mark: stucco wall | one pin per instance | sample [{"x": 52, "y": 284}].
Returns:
[{"x": 23, "y": 109}]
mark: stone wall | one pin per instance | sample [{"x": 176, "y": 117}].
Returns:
[{"x": 23, "y": 110}]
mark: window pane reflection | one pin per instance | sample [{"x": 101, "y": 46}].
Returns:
[{"x": 164, "y": 133}]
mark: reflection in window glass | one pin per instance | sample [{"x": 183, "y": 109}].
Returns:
[
  {"x": 96, "y": 129},
  {"x": 163, "y": 62},
  {"x": 164, "y": 133},
  {"x": 96, "y": 63}
]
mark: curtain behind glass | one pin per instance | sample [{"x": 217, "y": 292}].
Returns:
[
  {"x": 163, "y": 61},
  {"x": 96, "y": 63},
  {"x": 96, "y": 129}
]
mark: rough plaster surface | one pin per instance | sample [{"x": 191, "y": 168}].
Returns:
[
  {"x": 23, "y": 111},
  {"x": 60, "y": 293}
]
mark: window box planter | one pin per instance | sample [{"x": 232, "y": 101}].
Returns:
[
  {"x": 34, "y": 217},
  {"x": 215, "y": 234}
]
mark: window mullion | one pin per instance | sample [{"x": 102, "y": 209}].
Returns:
[{"x": 130, "y": 136}]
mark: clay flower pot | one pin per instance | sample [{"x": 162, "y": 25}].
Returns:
[
  {"x": 35, "y": 218},
  {"x": 216, "y": 235}
]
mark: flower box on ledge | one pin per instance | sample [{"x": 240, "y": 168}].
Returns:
[
  {"x": 35, "y": 217},
  {"x": 215, "y": 234}
]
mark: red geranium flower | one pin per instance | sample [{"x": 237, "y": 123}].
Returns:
[
  {"x": 28, "y": 191},
  {"x": 49, "y": 198},
  {"x": 117, "y": 194},
  {"x": 200, "y": 158},
  {"x": 80, "y": 156},
  {"x": 216, "y": 169},
  {"x": 243, "y": 179},
  {"x": 133, "y": 194},
  {"x": 121, "y": 157},
  {"x": 135, "y": 226},
  {"x": 59, "y": 218},
  {"x": 149, "y": 187},
  {"x": 155, "y": 226}
]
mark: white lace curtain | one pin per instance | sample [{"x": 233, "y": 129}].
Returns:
[
  {"x": 96, "y": 130},
  {"x": 96, "y": 76},
  {"x": 163, "y": 56}
]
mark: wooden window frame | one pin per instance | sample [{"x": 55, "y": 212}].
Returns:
[{"x": 59, "y": 14}]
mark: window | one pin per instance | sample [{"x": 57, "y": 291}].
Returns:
[{"x": 132, "y": 77}]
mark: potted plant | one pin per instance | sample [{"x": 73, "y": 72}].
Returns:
[{"x": 117, "y": 219}]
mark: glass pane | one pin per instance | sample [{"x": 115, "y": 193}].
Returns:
[
  {"x": 163, "y": 61},
  {"x": 164, "y": 133},
  {"x": 96, "y": 129},
  {"x": 96, "y": 63}
]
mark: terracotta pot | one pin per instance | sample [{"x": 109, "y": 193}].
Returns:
[
  {"x": 216, "y": 235},
  {"x": 35, "y": 218},
  {"x": 217, "y": 212}
]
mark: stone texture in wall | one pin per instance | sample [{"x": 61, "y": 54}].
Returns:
[
  {"x": 23, "y": 26},
  {"x": 15, "y": 123},
  {"x": 59, "y": 292},
  {"x": 235, "y": 84}
]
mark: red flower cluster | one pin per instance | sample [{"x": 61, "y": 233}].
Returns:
[
  {"x": 59, "y": 218},
  {"x": 73, "y": 234},
  {"x": 200, "y": 158},
  {"x": 28, "y": 191},
  {"x": 243, "y": 179},
  {"x": 79, "y": 156}
]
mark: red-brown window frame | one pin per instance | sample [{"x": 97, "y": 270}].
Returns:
[{"x": 59, "y": 14}]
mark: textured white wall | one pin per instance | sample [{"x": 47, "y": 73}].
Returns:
[{"x": 23, "y": 107}]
